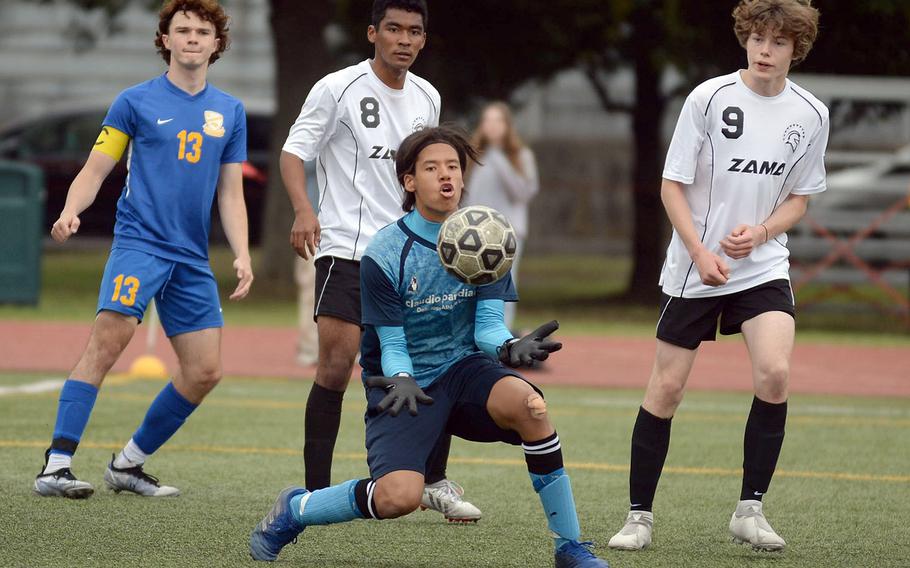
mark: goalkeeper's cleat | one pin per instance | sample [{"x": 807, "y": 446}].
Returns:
[
  {"x": 447, "y": 497},
  {"x": 134, "y": 480},
  {"x": 574, "y": 554},
  {"x": 277, "y": 529},
  {"x": 749, "y": 526},
  {"x": 61, "y": 483},
  {"x": 636, "y": 533}
]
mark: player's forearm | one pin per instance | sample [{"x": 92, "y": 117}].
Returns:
[
  {"x": 293, "y": 175},
  {"x": 680, "y": 214},
  {"x": 786, "y": 215},
  {"x": 87, "y": 183},
  {"x": 394, "y": 345},
  {"x": 232, "y": 209},
  {"x": 490, "y": 330}
]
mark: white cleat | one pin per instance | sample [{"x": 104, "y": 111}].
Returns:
[
  {"x": 636, "y": 533},
  {"x": 446, "y": 497},
  {"x": 134, "y": 480},
  {"x": 62, "y": 483},
  {"x": 749, "y": 526}
]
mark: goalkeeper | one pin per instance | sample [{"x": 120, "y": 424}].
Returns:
[{"x": 435, "y": 343}]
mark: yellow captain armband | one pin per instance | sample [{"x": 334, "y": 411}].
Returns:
[{"x": 111, "y": 142}]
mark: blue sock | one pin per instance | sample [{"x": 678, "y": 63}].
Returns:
[
  {"x": 555, "y": 493},
  {"x": 165, "y": 416},
  {"x": 76, "y": 401},
  {"x": 335, "y": 504}
]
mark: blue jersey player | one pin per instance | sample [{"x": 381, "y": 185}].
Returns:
[
  {"x": 185, "y": 141},
  {"x": 433, "y": 340}
]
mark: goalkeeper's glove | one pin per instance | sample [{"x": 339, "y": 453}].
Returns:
[
  {"x": 402, "y": 389},
  {"x": 533, "y": 347}
]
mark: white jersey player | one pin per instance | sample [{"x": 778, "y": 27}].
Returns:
[
  {"x": 747, "y": 153},
  {"x": 740, "y": 155},
  {"x": 352, "y": 123}
]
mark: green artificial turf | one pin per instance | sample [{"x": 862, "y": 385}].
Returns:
[{"x": 841, "y": 496}]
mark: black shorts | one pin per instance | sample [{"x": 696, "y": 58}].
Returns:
[
  {"x": 404, "y": 442},
  {"x": 686, "y": 322},
  {"x": 337, "y": 289}
]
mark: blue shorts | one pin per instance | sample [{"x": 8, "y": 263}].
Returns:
[
  {"x": 404, "y": 442},
  {"x": 186, "y": 295}
]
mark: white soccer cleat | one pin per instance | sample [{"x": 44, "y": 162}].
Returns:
[
  {"x": 636, "y": 533},
  {"x": 62, "y": 483},
  {"x": 134, "y": 480},
  {"x": 446, "y": 497},
  {"x": 749, "y": 526}
]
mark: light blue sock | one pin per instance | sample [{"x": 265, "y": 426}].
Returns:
[
  {"x": 335, "y": 504},
  {"x": 555, "y": 493},
  {"x": 165, "y": 416},
  {"x": 77, "y": 399}
]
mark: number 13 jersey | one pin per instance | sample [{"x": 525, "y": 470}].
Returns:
[
  {"x": 352, "y": 124},
  {"x": 739, "y": 155},
  {"x": 178, "y": 143}
]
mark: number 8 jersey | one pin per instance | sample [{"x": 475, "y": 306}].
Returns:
[
  {"x": 739, "y": 155},
  {"x": 352, "y": 124},
  {"x": 178, "y": 143}
]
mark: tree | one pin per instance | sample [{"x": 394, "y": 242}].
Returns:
[
  {"x": 647, "y": 36},
  {"x": 494, "y": 46},
  {"x": 482, "y": 49},
  {"x": 301, "y": 59}
]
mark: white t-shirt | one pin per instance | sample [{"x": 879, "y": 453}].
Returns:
[
  {"x": 352, "y": 124},
  {"x": 739, "y": 155}
]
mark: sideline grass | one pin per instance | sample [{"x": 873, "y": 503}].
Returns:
[
  {"x": 565, "y": 287},
  {"x": 242, "y": 446}
]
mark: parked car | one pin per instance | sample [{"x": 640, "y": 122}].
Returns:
[
  {"x": 59, "y": 143},
  {"x": 877, "y": 185}
]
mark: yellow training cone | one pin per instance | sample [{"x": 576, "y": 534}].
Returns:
[{"x": 148, "y": 367}]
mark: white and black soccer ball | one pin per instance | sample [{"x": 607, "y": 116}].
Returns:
[{"x": 477, "y": 245}]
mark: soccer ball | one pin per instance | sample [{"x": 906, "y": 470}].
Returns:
[{"x": 477, "y": 245}]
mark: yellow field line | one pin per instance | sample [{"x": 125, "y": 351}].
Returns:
[
  {"x": 687, "y": 416},
  {"x": 590, "y": 466}
]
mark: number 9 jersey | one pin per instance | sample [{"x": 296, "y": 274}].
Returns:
[
  {"x": 352, "y": 124},
  {"x": 178, "y": 143},
  {"x": 739, "y": 155}
]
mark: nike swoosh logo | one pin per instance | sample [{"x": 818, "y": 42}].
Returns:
[{"x": 160, "y": 122}]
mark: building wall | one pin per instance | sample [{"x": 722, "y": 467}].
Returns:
[{"x": 45, "y": 65}]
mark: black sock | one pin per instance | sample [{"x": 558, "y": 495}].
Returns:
[
  {"x": 543, "y": 456},
  {"x": 363, "y": 496},
  {"x": 439, "y": 458},
  {"x": 650, "y": 442},
  {"x": 761, "y": 446},
  {"x": 323, "y": 416}
]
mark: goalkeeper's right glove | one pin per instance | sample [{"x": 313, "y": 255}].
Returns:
[{"x": 402, "y": 389}]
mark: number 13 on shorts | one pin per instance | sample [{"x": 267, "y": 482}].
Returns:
[{"x": 128, "y": 286}]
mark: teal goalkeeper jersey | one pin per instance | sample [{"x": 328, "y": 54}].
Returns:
[
  {"x": 403, "y": 283},
  {"x": 178, "y": 143}
]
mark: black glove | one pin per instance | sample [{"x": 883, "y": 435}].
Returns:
[
  {"x": 402, "y": 390},
  {"x": 533, "y": 347}
]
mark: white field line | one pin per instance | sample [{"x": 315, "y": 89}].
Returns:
[
  {"x": 33, "y": 388},
  {"x": 795, "y": 408}
]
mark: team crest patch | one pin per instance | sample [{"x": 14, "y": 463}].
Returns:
[
  {"x": 419, "y": 124},
  {"x": 793, "y": 135},
  {"x": 214, "y": 124},
  {"x": 413, "y": 285}
]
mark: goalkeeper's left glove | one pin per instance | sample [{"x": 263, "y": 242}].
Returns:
[{"x": 533, "y": 347}]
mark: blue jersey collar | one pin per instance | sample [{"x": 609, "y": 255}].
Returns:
[
  {"x": 423, "y": 231},
  {"x": 180, "y": 92}
]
